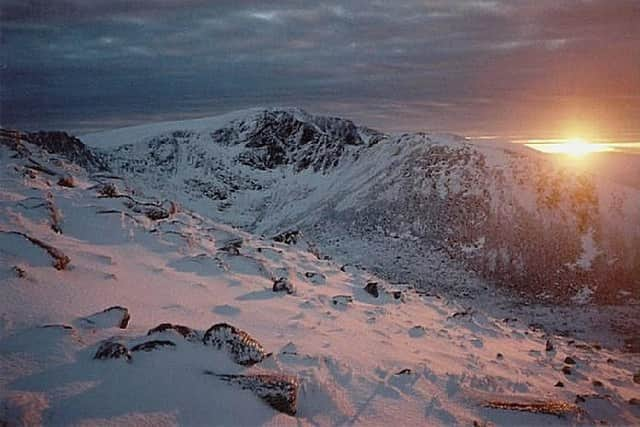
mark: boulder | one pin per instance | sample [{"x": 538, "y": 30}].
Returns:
[
  {"x": 108, "y": 190},
  {"x": 548, "y": 346},
  {"x": 242, "y": 347},
  {"x": 278, "y": 391},
  {"x": 153, "y": 345},
  {"x": 116, "y": 316},
  {"x": 66, "y": 181},
  {"x": 372, "y": 289},
  {"x": 184, "y": 331},
  {"x": 112, "y": 350},
  {"x": 282, "y": 284},
  {"x": 290, "y": 237}
]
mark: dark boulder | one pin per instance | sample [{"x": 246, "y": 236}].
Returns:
[
  {"x": 278, "y": 391},
  {"x": 108, "y": 190},
  {"x": 112, "y": 350},
  {"x": 290, "y": 237},
  {"x": 242, "y": 347},
  {"x": 548, "y": 346},
  {"x": 111, "y": 317},
  {"x": 184, "y": 331},
  {"x": 283, "y": 285},
  {"x": 153, "y": 345},
  {"x": 67, "y": 181},
  {"x": 372, "y": 289}
]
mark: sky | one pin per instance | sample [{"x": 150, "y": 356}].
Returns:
[{"x": 509, "y": 69}]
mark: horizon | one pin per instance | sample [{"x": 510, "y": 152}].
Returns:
[{"x": 552, "y": 70}]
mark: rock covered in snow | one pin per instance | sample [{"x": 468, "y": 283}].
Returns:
[
  {"x": 279, "y": 391},
  {"x": 184, "y": 331},
  {"x": 111, "y": 317},
  {"x": 283, "y": 284},
  {"x": 290, "y": 237},
  {"x": 242, "y": 347},
  {"x": 112, "y": 350},
  {"x": 152, "y": 345}
]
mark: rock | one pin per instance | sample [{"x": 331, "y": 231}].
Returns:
[
  {"x": 372, "y": 289},
  {"x": 499, "y": 356},
  {"x": 566, "y": 370},
  {"x": 634, "y": 401},
  {"x": 342, "y": 300},
  {"x": 636, "y": 378},
  {"x": 108, "y": 190},
  {"x": 153, "y": 345},
  {"x": 67, "y": 146},
  {"x": 548, "y": 346},
  {"x": 396, "y": 294},
  {"x": 156, "y": 213},
  {"x": 597, "y": 383},
  {"x": 278, "y": 391},
  {"x": 232, "y": 247},
  {"x": 290, "y": 237},
  {"x": 115, "y": 316},
  {"x": 67, "y": 181},
  {"x": 559, "y": 384},
  {"x": 243, "y": 349},
  {"x": 282, "y": 284},
  {"x": 19, "y": 272},
  {"x": 112, "y": 350},
  {"x": 405, "y": 371},
  {"x": 184, "y": 331},
  {"x": 460, "y": 314},
  {"x": 569, "y": 361},
  {"x": 580, "y": 398},
  {"x": 58, "y": 326}
]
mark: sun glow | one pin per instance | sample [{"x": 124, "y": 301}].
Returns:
[{"x": 575, "y": 147}]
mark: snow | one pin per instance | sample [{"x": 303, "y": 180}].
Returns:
[
  {"x": 425, "y": 358},
  {"x": 127, "y": 135}
]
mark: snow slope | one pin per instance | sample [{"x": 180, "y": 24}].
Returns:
[
  {"x": 404, "y": 357},
  {"x": 544, "y": 229}
]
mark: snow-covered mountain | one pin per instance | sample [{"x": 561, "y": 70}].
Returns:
[
  {"x": 119, "y": 306},
  {"x": 506, "y": 212}
]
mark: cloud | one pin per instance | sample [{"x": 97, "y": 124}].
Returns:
[{"x": 410, "y": 63}]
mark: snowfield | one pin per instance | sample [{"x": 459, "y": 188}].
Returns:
[{"x": 127, "y": 298}]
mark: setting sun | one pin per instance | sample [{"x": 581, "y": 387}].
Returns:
[{"x": 576, "y": 147}]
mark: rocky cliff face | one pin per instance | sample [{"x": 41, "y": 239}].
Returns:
[{"x": 61, "y": 143}]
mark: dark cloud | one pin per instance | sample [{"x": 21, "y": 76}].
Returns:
[{"x": 482, "y": 67}]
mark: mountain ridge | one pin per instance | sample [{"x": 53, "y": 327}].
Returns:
[{"x": 504, "y": 212}]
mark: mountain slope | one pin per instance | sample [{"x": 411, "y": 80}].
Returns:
[
  {"x": 507, "y": 213},
  {"x": 399, "y": 357}
]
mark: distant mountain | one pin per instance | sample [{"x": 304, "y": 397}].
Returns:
[
  {"x": 506, "y": 212},
  {"x": 398, "y": 204}
]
